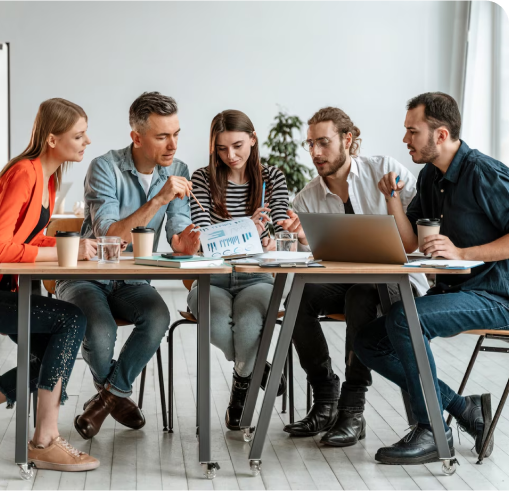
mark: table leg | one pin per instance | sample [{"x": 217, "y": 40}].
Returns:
[
  {"x": 428, "y": 387},
  {"x": 22, "y": 382},
  {"x": 263, "y": 350},
  {"x": 285, "y": 338},
  {"x": 203, "y": 405}
]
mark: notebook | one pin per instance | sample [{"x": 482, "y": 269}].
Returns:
[
  {"x": 195, "y": 262},
  {"x": 443, "y": 264}
]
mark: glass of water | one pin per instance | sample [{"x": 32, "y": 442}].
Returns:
[
  {"x": 108, "y": 249},
  {"x": 286, "y": 241}
]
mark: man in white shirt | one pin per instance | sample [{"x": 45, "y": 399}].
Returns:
[{"x": 347, "y": 183}]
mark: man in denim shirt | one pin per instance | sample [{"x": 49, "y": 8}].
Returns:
[
  {"x": 136, "y": 186},
  {"x": 469, "y": 193}
]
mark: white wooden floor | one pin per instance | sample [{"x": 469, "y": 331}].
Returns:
[{"x": 151, "y": 459}]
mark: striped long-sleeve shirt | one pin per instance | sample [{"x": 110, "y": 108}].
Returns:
[{"x": 237, "y": 197}]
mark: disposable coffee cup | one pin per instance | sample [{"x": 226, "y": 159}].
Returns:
[
  {"x": 68, "y": 246},
  {"x": 143, "y": 241},
  {"x": 425, "y": 227}
]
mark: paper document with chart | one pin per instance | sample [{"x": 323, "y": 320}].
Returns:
[{"x": 230, "y": 238}]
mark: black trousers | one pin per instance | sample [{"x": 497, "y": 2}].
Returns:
[{"x": 361, "y": 304}]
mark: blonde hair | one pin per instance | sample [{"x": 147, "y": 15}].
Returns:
[{"x": 55, "y": 116}]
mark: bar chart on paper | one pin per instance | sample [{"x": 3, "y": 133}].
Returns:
[{"x": 230, "y": 238}]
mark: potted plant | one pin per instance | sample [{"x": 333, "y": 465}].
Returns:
[{"x": 283, "y": 146}]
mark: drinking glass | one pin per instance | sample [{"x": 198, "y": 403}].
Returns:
[
  {"x": 286, "y": 241},
  {"x": 108, "y": 249}
]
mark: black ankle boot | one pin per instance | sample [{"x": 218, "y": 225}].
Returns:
[
  {"x": 237, "y": 400},
  {"x": 321, "y": 417},
  {"x": 282, "y": 383},
  {"x": 350, "y": 427}
]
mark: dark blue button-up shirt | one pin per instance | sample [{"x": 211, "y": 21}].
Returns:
[{"x": 472, "y": 200}]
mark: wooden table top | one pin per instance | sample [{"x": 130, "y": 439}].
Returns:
[
  {"x": 349, "y": 268},
  {"x": 124, "y": 267}
]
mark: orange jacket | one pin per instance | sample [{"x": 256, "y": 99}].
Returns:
[{"x": 20, "y": 209}]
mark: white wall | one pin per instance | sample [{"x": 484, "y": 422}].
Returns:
[{"x": 368, "y": 58}]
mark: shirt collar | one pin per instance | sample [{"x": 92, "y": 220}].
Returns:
[
  {"x": 454, "y": 169},
  {"x": 127, "y": 164},
  {"x": 354, "y": 169}
]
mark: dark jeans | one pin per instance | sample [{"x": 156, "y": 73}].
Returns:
[
  {"x": 360, "y": 304},
  {"x": 57, "y": 329},
  {"x": 384, "y": 344},
  {"x": 102, "y": 303}
]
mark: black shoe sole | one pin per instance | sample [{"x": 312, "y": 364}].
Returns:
[
  {"x": 332, "y": 443},
  {"x": 78, "y": 429},
  {"x": 423, "y": 459},
  {"x": 487, "y": 417}
]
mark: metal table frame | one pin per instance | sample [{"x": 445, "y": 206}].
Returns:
[
  {"x": 203, "y": 382},
  {"x": 284, "y": 341}
]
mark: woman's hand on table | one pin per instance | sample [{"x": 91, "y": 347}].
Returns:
[
  {"x": 268, "y": 244},
  {"x": 87, "y": 250}
]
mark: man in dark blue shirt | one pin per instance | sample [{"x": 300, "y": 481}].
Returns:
[{"x": 469, "y": 193}]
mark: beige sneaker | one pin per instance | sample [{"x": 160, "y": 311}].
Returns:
[{"x": 60, "y": 455}]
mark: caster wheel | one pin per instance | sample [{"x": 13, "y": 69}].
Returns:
[
  {"x": 26, "y": 471},
  {"x": 449, "y": 467},
  {"x": 210, "y": 470},
  {"x": 248, "y": 434},
  {"x": 255, "y": 466}
]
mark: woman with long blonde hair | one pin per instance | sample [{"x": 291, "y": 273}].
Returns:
[{"x": 27, "y": 198}]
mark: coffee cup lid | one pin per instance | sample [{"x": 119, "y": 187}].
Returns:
[
  {"x": 67, "y": 234},
  {"x": 429, "y": 222},
  {"x": 142, "y": 230}
]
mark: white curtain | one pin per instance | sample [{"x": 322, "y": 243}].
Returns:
[{"x": 486, "y": 97}]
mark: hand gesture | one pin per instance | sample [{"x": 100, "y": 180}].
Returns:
[
  {"x": 292, "y": 224},
  {"x": 187, "y": 241},
  {"x": 268, "y": 244},
  {"x": 440, "y": 245},
  {"x": 260, "y": 219},
  {"x": 87, "y": 250},
  {"x": 388, "y": 184},
  {"x": 175, "y": 187}
]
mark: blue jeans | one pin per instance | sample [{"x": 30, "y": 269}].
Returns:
[
  {"x": 56, "y": 331},
  {"x": 102, "y": 303},
  {"x": 238, "y": 307},
  {"x": 385, "y": 346}
]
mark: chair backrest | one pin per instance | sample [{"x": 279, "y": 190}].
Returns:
[{"x": 62, "y": 225}]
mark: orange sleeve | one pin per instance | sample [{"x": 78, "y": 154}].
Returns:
[{"x": 15, "y": 193}]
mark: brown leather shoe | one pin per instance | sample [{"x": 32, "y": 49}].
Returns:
[
  {"x": 89, "y": 423},
  {"x": 125, "y": 412}
]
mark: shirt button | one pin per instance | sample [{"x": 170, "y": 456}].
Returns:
[
  {"x": 441, "y": 190},
  {"x": 441, "y": 216}
]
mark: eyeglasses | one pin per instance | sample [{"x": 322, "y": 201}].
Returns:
[{"x": 322, "y": 143}]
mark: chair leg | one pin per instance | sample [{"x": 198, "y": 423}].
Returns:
[
  {"x": 494, "y": 423},
  {"x": 291, "y": 390},
  {"x": 142, "y": 387},
  {"x": 285, "y": 395},
  {"x": 161, "y": 388},
  {"x": 469, "y": 370}
]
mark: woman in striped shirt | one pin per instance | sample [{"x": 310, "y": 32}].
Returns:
[{"x": 229, "y": 188}]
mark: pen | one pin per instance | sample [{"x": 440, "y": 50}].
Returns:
[
  {"x": 392, "y": 192},
  {"x": 263, "y": 194},
  {"x": 196, "y": 199}
]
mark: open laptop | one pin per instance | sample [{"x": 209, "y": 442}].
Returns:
[{"x": 353, "y": 238}]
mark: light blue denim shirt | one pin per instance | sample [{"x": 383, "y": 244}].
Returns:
[{"x": 113, "y": 192}]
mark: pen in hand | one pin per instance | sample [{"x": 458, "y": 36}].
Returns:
[{"x": 392, "y": 192}]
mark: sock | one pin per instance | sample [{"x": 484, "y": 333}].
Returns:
[{"x": 457, "y": 406}]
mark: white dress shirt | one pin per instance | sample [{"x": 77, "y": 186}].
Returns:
[{"x": 365, "y": 197}]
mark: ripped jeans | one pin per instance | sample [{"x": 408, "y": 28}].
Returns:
[{"x": 56, "y": 331}]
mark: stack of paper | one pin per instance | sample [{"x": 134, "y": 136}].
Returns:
[{"x": 444, "y": 264}]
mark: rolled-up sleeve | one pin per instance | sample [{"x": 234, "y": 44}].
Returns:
[
  {"x": 101, "y": 197},
  {"x": 178, "y": 212}
]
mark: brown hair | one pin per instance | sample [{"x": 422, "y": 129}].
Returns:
[
  {"x": 342, "y": 122},
  {"x": 55, "y": 116},
  {"x": 232, "y": 120},
  {"x": 440, "y": 110}
]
